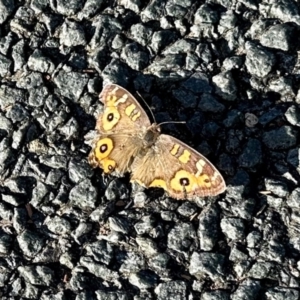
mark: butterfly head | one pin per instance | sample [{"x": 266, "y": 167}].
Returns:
[{"x": 151, "y": 134}]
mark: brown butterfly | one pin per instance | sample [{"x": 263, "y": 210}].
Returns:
[{"x": 128, "y": 142}]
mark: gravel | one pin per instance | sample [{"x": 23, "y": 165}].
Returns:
[{"x": 229, "y": 69}]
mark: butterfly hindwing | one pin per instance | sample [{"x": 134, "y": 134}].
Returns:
[{"x": 119, "y": 126}]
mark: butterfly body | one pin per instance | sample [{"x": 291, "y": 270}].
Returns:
[{"x": 128, "y": 142}]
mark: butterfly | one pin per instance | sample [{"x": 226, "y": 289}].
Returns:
[{"x": 126, "y": 141}]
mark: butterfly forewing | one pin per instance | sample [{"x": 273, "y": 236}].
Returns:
[
  {"x": 174, "y": 166},
  {"x": 122, "y": 113}
]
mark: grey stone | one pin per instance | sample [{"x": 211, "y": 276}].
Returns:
[
  {"x": 59, "y": 225},
  {"x": 226, "y": 164},
  {"x": 91, "y": 7},
  {"x": 37, "y": 275},
  {"x": 6, "y": 9},
  {"x": 144, "y": 225},
  {"x": 237, "y": 255},
  {"x": 19, "y": 136},
  {"x": 227, "y": 21},
  {"x": 169, "y": 68},
  {"x": 187, "y": 209},
  {"x": 83, "y": 195},
  {"x": 254, "y": 239},
  {"x": 131, "y": 262},
  {"x": 282, "y": 86},
  {"x": 52, "y": 22},
  {"x": 141, "y": 34},
  {"x": 208, "y": 230},
  {"x": 66, "y": 7},
  {"x": 263, "y": 269},
  {"x": 161, "y": 39},
  {"x": 116, "y": 190},
  {"x": 54, "y": 177},
  {"x": 180, "y": 237},
  {"x": 40, "y": 63},
  {"x": 135, "y": 56},
  {"x": 269, "y": 116},
  {"x": 252, "y": 154},
  {"x": 9, "y": 95},
  {"x": 284, "y": 10},
  {"x": 153, "y": 11},
  {"x": 148, "y": 246},
  {"x": 233, "y": 62},
  {"x": 54, "y": 161},
  {"x": 65, "y": 82},
  {"x": 215, "y": 295},
  {"x": 116, "y": 71},
  {"x": 100, "y": 294},
  {"x": 72, "y": 34},
  {"x": 118, "y": 42},
  {"x": 143, "y": 279},
  {"x": 209, "y": 103},
  {"x": 30, "y": 243},
  {"x": 259, "y": 61},
  {"x": 79, "y": 170},
  {"x": 180, "y": 46},
  {"x": 192, "y": 62},
  {"x": 134, "y": 5},
  {"x": 101, "y": 251},
  {"x": 5, "y": 124},
  {"x": 206, "y": 14},
  {"x": 277, "y": 187},
  {"x": 70, "y": 129},
  {"x": 6, "y": 212},
  {"x": 248, "y": 290},
  {"x": 39, "y": 5},
  {"x": 22, "y": 23},
  {"x": 207, "y": 264},
  {"x": 210, "y": 129},
  {"x": 293, "y": 115},
  {"x": 119, "y": 224},
  {"x": 6, "y": 242},
  {"x": 14, "y": 200},
  {"x": 233, "y": 228},
  {"x": 280, "y": 36},
  {"x": 258, "y": 27},
  {"x": 204, "y": 53},
  {"x": 98, "y": 269},
  {"x": 293, "y": 200},
  {"x": 178, "y": 9},
  {"x": 17, "y": 113},
  {"x": 57, "y": 120},
  {"x": 225, "y": 86},
  {"x": 31, "y": 80},
  {"x": 274, "y": 251},
  {"x": 5, "y": 66},
  {"x": 244, "y": 209},
  {"x": 7, "y": 42},
  {"x": 185, "y": 97},
  {"x": 282, "y": 293},
  {"x": 106, "y": 28},
  {"x": 159, "y": 263},
  {"x": 175, "y": 289},
  {"x": 38, "y": 194},
  {"x": 279, "y": 139}
]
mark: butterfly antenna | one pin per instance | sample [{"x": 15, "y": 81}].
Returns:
[
  {"x": 149, "y": 108},
  {"x": 171, "y": 122}
]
